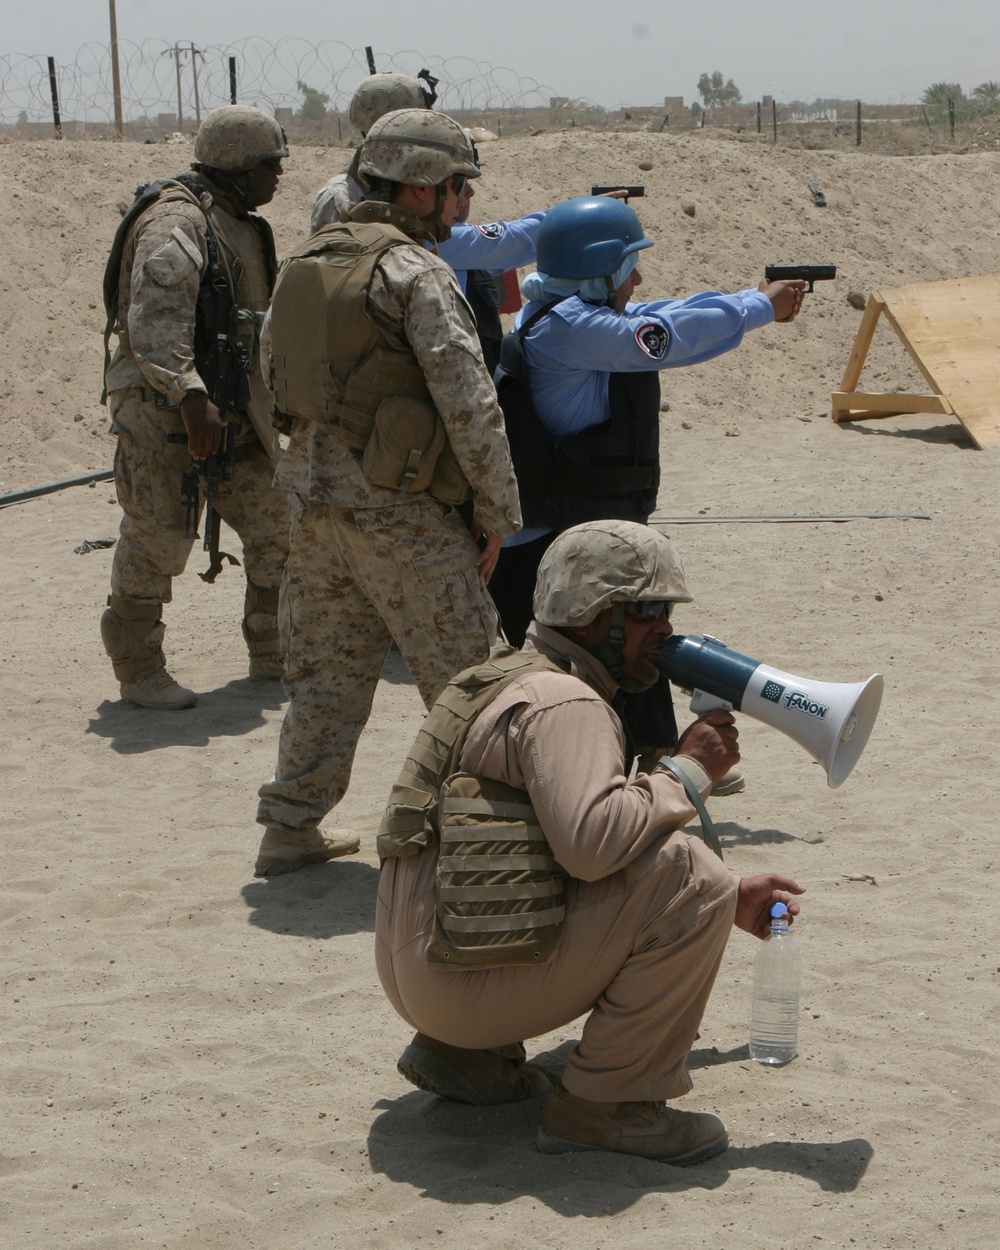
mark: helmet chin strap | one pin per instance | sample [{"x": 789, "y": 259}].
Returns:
[
  {"x": 433, "y": 222},
  {"x": 611, "y": 653},
  {"x": 236, "y": 185}
]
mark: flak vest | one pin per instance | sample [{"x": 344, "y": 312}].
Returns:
[
  {"x": 500, "y": 891},
  {"x": 235, "y": 287},
  {"x": 332, "y": 364},
  {"x": 606, "y": 472}
]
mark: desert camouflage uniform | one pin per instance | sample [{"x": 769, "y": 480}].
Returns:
[
  {"x": 343, "y": 191},
  {"x": 369, "y": 564},
  {"x": 162, "y": 265}
]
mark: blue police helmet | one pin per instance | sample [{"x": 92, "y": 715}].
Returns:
[{"x": 588, "y": 237}]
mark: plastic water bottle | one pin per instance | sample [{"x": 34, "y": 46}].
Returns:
[{"x": 774, "y": 1023}]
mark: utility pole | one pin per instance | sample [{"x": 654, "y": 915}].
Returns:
[
  {"x": 116, "y": 82},
  {"x": 194, "y": 71},
  {"x": 175, "y": 52}
]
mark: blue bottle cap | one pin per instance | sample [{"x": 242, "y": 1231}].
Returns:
[{"x": 778, "y": 910}]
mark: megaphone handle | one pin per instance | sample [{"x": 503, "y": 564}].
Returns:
[{"x": 702, "y": 702}]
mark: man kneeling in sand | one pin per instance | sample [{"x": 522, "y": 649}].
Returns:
[{"x": 526, "y": 881}]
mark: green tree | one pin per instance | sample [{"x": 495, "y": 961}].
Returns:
[
  {"x": 313, "y": 103},
  {"x": 988, "y": 95},
  {"x": 716, "y": 93},
  {"x": 939, "y": 93}
]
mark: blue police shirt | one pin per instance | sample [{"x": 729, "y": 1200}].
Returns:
[
  {"x": 572, "y": 351},
  {"x": 495, "y": 246}
]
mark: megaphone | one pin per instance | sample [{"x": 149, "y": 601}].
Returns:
[{"x": 832, "y": 721}]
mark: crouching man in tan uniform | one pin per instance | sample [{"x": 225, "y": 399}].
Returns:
[
  {"x": 526, "y": 882},
  {"x": 398, "y": 465}
]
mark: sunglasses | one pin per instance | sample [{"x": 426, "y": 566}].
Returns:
[
  {"x": 271, "y": 162},
  {"x": 458, "y": 182},
  {"x": 651, "y": 611}
]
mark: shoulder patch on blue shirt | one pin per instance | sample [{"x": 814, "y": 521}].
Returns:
[
  {"x": 492, "y": 230},
  {"x": 653, "y": 339}
]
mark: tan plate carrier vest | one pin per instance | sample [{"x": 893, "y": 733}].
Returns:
[
  {"x": 332, "y": 364},
  {"x": 500, "y": 891}
]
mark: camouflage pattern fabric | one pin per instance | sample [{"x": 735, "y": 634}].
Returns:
[
  {"x": 590, "y": 566},
  {"x": 162, "y": 265},
  {"x": 164, "y": 258},
  {"x": 415, "y": 295},
  {"x": 354, "y": 580},
  {"x": 151, "y": 546},
  {"x": 342, "y": 191},
  {"x": 368, "y": 564}
]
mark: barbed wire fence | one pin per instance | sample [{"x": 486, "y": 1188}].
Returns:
[
  {"x": 160, "y": 81},
  {"x": 166, "y": 88}
]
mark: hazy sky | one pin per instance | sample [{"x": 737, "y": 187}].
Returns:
[{"x": 613, "y": 53}]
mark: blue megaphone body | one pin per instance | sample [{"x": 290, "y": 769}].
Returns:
[{"x": 833, "y": 721}]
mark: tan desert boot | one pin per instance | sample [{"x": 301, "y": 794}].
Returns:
[
  {"x": 132, "y": 633},
  {"x": 260, "y": 630},
  {"x": 650, "y": 1129},
  {"x": 483, "y": 1078},
  {"x": 287, "y": 851}
]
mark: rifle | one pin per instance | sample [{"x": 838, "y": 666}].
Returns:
[
  {"x": 217, "y": 470},
  {"x": 222, "y": 357},
  {"x": 808, "y": 273},
  {"x": 618, "y": 186}
]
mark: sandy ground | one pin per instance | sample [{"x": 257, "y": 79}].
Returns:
[{"x": 192, "y": 1059}]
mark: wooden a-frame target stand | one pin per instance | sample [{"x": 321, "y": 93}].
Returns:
[{"x": 952, "y": 332}]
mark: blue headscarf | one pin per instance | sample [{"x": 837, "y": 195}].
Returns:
[{"x": 542, "y": 286}]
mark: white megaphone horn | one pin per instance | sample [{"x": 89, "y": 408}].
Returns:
[{"x": 833, "y": 721}]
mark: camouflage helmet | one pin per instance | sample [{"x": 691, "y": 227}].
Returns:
[
  {"x": 385, "y": 93},
  {"x": 417, "y": 147},
  {"x": 236, "y": 137},
  {"x": 591, "y": 566}
]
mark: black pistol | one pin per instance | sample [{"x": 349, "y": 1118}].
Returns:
[
  {"x": 617, "y": 186},
  {"x": 809, "y": 273}
]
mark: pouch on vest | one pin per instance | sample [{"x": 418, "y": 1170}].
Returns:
[
  {"x": 500, "y": 892},
  {"x": 404, "y": 446}
]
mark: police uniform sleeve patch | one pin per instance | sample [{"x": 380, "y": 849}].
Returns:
[
  {"x": 492, "y": 230},
  {"x": 653, "y": 339}
]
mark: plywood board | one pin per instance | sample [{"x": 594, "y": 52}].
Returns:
[{"x": 951, "y": 330}]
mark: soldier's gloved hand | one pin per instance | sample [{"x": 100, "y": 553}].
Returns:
[{"x": 204, "y": 424}]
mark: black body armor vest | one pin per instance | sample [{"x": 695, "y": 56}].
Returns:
[{"x": 608, "y": 472}]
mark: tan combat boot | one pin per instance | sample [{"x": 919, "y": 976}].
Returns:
[
  {"x": 133, "y": 637},
  {"x": 283, "y": 850},
  {"x": 484, "y": 1078},
  {"x": 260, "y": 629},
  {"x": 732, "y": 783},
  {"x": 650, "y": 1129}
]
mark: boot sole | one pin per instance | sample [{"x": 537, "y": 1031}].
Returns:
[
  {"x": 275, "y": 867},
  {"x": 161, "y": 707},
  {"x": 549, "y": 1144},
  {"x": 428, "y": 1071}
]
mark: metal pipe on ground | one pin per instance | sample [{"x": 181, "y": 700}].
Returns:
[{"x": 33, "y": 492}]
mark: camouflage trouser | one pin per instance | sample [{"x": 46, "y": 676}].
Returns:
[
  {"x": 151, "y": 547},
  {"x": 354, "y": 581}
]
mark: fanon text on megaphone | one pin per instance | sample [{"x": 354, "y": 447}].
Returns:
[{"x": 832, "y": 721}]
